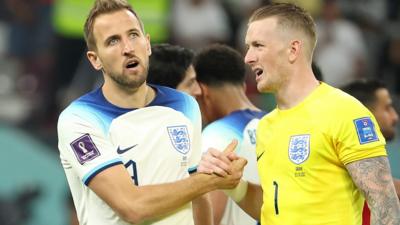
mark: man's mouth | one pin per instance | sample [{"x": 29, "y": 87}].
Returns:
[
  {"x": 132, "y": 64},
  {"x": 258, "y": 72}
]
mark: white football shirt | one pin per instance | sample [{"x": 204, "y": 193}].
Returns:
[{"x": 157, "y": 144}]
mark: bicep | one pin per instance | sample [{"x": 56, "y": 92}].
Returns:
[
  {"x": 373, "y": 177},
  {"x": 114, "y": 185}
]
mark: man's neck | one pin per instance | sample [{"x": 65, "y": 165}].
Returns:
[
  {"x": 295, "y": 90},
  {"x": 129, "y": 98},
  {"x": 234, "y": 101}
]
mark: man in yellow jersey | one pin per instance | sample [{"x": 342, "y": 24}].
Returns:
[{"x": 320, "y": 152}]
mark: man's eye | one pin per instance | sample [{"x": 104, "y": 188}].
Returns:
[
  {"x": 113, "y": 42},
  {"x": 133, "y": 35}
]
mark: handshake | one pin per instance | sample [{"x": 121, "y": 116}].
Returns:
[{"x": 227, "y": 170}]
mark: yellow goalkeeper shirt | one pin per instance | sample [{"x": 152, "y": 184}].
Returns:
[{"x": 302, "y": 153}]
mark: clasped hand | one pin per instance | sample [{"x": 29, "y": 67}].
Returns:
[{"x": 226, "y": 165}]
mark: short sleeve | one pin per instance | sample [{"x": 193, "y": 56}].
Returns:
[
  {"x": 84, "y": 147},
  {"x": 357, "y": 135},
  {"x": 218, "y": 136},
  {"x": 196, "y": 146}
]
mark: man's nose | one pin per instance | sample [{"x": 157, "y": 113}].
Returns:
[
  {"x": 196, "y": 90},
  {"x": 249, "y": 57},
  {"x": 127, "y": 47},
  {"x": 395, "y": 116}
]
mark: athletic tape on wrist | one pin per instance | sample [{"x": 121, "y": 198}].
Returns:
[{"x": 238, "y": 193}]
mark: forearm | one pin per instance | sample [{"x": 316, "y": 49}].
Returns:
[
  {"x": 252, "y": 202},
  {"x": 372, "y": 176},
  {"x": 138, "y": 203},
  {"x": 384, "y": 212},
  {"x": 202, "y": 210},
  {"x": 155, "y": 200},
  {"x": 384, "y": 206}
]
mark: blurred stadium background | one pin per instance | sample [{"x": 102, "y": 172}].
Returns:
[{"x": 43, "y": 67}]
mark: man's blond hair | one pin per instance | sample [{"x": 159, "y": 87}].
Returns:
[{"x": 290, "y": 16}]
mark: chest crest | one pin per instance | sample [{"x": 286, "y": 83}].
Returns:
[
  {"x": 179, "y": 137},
  {"x": 299, "y": 148}
]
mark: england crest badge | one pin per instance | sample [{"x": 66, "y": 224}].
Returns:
[
  {"x": 179, "y": 137},
  {"x": 299, "y": 148}
]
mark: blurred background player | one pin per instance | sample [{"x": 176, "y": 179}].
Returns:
[
  {"x": 230, "y": 114},
  {"x": 172, "y": 66},
  {"x": 376, "y": 97}
]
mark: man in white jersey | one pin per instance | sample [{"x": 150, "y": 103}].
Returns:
[
  {"x": 127, "y": 148},
  {"x": 224, "y": 104}
]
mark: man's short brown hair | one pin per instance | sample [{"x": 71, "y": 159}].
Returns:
[
  {"x": 289, "y": 16},
  {"x": 103, "y": 7}
]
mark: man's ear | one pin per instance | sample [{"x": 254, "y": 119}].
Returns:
[
  {"x": 204, "y": 89},
  {"x": 94, "y": 60},
  {"x": 294, "y": 50},
  {"x": 148, "y": 44}
]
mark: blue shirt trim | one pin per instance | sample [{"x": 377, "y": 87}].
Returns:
[
  {"x": 89, "y": 176},
  {"x": 192, "y": 170}
]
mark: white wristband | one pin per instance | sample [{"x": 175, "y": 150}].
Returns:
[{"x": 237, "y": 193}]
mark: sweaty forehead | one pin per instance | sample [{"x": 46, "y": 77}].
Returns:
[
  {"x": 266, "y": 23},
  {"x": 259, "y": 28},
  {"x": 114, "y": 23}
]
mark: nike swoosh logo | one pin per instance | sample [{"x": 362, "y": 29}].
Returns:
[
  {"x": 121, "y": 151},
  {"x": 258, "y": 157}
]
